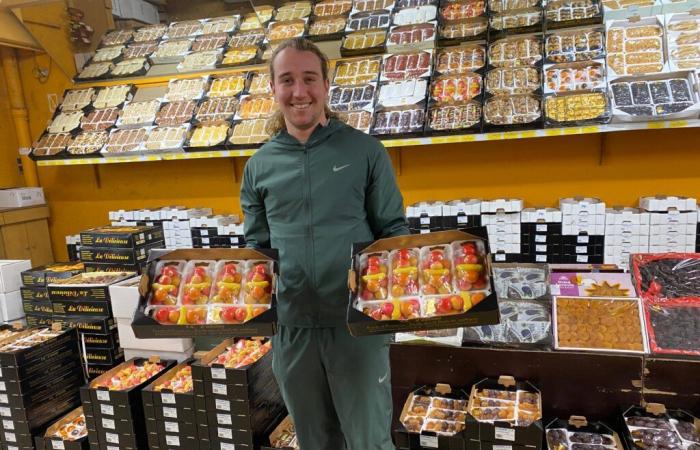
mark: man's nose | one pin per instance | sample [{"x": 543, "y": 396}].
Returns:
[{"x": 299, "y": 89}]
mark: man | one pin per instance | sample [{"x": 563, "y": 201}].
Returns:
[{"x": 316, "y": 188}]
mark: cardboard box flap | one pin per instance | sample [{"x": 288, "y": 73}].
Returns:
[
  {"x": 506, "y": 380},
  {"x": 214, "y": 254},
  {"x": 419, "y": 240},
  {"x": 443, "y": 388},
  {"x": 656, "y": 409},
  {"x": 578, "y": 421},
  {"x": 110, "y": 373},
  {"x": 68, "y": 418}
]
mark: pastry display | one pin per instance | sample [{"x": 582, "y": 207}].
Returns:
[
  {"x": 127, "y": 140},
  {"x": 187, "y": 89},
  {"x": 72, "y": 430},
  {"x": 623, "y": 4},
  {"x": 441, "y": 415},
  {"x": 515, "y": 52},
  {"x": 327, "y": 8},
  {"x": 140, "y": 50},
  {"x": 522, "y": 322},
  {"x": 406, "y": 65},
  {"x": 674, "y": 327},
  {"x": 360, "y": 120},
  {"x": 175, "y": 113},
  {"x": 243, "y": 353},
  {"x": 666, "y": 277},
  {"x": 457, "y": 10},
  {"x": 647, "y": 98},
  {"x": 99, "y": 119},
  {"x": 569, "y": 46},
  {"x": 257, "y": 283},
  {"x": 279, "y": 31},
  {"x": 567, "y": 10},
  {"x": 138, "y": 113},
  {"x": 260, "y": 83},
  {"x": 251, "y": 22},
  {"x": 400, "y": 93},
  {"x": 254, "y": 107},
  {"x": 270, "y": 49},
  {"x": 225, "y": 24},
  {"x": 329, "y": 25},
  {"x": 171, "y": 50},
  {"x": 241, "y": 55},
  {"x": 520, "y": 407},
  {"x": 227, "y": 86},
  {"x": 399, "y": 121},
  {"x": 356, "y": 71},
  {"x": 598, "y": 324},
  {"x": 110, "y": 96},
  {"x": 519, "y": 109},
  {"x": 184, "y": 29},
  {"x": 561, "y": 438},
  {"x": 455, "y": 88},
  {"x": 372, "y": 5},
  {"x": 454, "y": 60},
  {"x": 361, "y": 40},
  {"x": 88, "y": 142},
  {"x": 293, "y": 10},
  {"x": 513, "y": 80},
  {"x": 217, "y": 109},
  {"x": 253, "y": 131},
  {"x": 206, "y": 42},
  {"x": 150, "y": 33},
  {"x": 509, "y": 5},
  {"x": 368, "y": 20},
  {"x": 65, "y": 121},
  {"x": 576, "y": 107},
  {"x": 683, "y": 38},
  {"x": 165, "y": 289},
  {"x": 117, "y": 37},
  {"x": 200, "y": 61},
  {"x": 248, "y": 39},
  {"x": 129, "y": 67},
  {"x": 180, "y": 383},
  {"x": 416, "y": 15},
  {"x": 463, "y": 29},
  {"x": 347, "y": 98},
  {"x": 105, "y": 54},
  {"x": 95, "y": 70},
  {"x": 129, "y": 376},
  {"x": 209, "y": 135},
  {"x": 635, "y": 48},
  {"x": 454, "y": 117},
  {"x": 166, "y": 138},
  {"x": 412, "y": 34},
  {"x": 515, "y": 19},
  {"x": 51, "y": 144},
  {"x": 77, "y": 99}
]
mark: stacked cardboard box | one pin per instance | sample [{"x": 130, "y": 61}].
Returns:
[
  {"x": 541, "y": 235},
  {"x": 123, "y": 249},
  {"x": 673, "y": 223},
  {"x": 583, "y": 230},
  {"x": 35, "y": 296},
  {"x": 626, "y": 232},
  {"x": 501, "y": 217},
  {"x": 10, "y": 296}
]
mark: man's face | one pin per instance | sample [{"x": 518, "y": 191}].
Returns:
[{"x": 299, "y": 88}]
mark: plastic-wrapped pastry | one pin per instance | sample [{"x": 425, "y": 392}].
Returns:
[
  {"x": 65, "y": 121},
  {"x": 454, "y": 117},
  {"x": 512, "y": 110},
  {"x": 150, "y": 33},
  {"x": 324, "y": 26},
  {"x": 129, "y": 66},
  {"x": 567, "y": 10},
  {"x": 360, "y": 120},
  {"x": 117, "y": 37},
  {"x": 371, "y": 5},
  {"x": 349, "y": 98},
  {"x": 95, "y": 70},
  {"x": 217, "y": 109},
  {"x": 407, "y": 65},
  {"x": 652, "y": 97},
  {"x": 77, "y": 99},
  {"x": 364, "y": 39},
  {"x": 100, "y": 119},
  {"x": 247, "y": 39},
  {"x": 457, "y": 10},
  {"x": 184, "y": 29},
  {"x": 356, "y": 71},
  {"x": 88, "y": 142},
  {"x": 227, "y": 86},
  {"x": 140, "y": 50},
  {"x": 200, "y": 60},
  {"x": 285, "y": 30},
  {"x": 327, "y": 8},
  {"x": 106, "y": 54},
  {"x": 250, "y": 132},
  {"x": 569, "y": 46},
  {"x": 515, "y": 52},
  {"x": 51, "y": 144},
  {"x": 225, "y": 24},
  {"x": 112, "y": 96},
  {"x": 513, "y": 80},
  {"x": 463, "y": 29},
  {"x": 209, "y": 135},
  {"x": 171, "y": 50},
  {"x": 293, "y": 10},
  {"x": 209, "y": 42},
  {"x": 166, "y": 138},
  {"x": 124, "y": 141},
  {"x": 175, "y": 113},
  {"x": 452, "y": 60},
  {"x": 515, "y": 19},
  {"x": 412, "y": 34},
  {"x": 240, "y": 55},
  {"x": 635, "y": 47},
  {"x": 399, "y": 121},
  {"x": 253, "y": 107},
  {"x": 138, "y": 113},
  {"x": 73, "y": 430},
  {"x": 186, "y": 89},
  {"x": 509, "y": 5},
  {"x": 456, "y": 88},
  {"x": 260, "y": 83},
  {"x": 574, "y": 77},
  {"x": 576, "y": 107}
]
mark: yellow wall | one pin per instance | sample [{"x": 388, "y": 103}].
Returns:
[{"x": 9, "y": 172}]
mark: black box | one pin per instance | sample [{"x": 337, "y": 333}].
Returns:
[
  {"x": 85, "y": 286},
  {"x": 204, "y": 232},
  {"x": 107, "y": 267},
  {"x": 122, "y": 256},
  {"x": 166, "y": 397},
  {"x": 103, "y": 356},
  {"x": 85, "y": 324},
  {"x": 34, "y": 294},
  {"x": 652, "y": 410},
  {"x": 35, "y": 320},
  {"x": 123, "y": 398},
  {"x": 43, "y": 275},
  {"x": 80, "y": 307},
  {"x": 93, "y": 340},
  {"x": 217, "y": 373},
  {"x": 67, "y": 339},
  {"x": 41, "y": 307},
  {"x": 51, "y": 443},
  {"x": 121, "y": 237}
]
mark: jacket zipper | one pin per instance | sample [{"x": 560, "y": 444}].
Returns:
[{"x": 307, "y": 202}]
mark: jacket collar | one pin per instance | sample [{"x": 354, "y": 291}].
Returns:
[{"x": 319, "y": 135}]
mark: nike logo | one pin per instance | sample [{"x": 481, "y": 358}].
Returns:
[
  {"x": 383, "y": 379},
  {"x": 339, "y": 168}
]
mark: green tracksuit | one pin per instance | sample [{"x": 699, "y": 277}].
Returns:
[{"x": 312, "y": 202}]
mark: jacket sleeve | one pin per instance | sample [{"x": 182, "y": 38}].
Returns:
[
  {"x": 383, "y": 200},
  {"x": 256, "y": 229}
]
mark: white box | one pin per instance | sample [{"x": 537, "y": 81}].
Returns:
[
  {"x": 548, "y": 215},
  {"x": 128, "y": 340},
  {"x": 470, "y": 207},
  {"x": 11, "y": 306},
  {"x": 11, "y": 273},
  {"x": 18, "y": 197},
  {"x": 665, "y": 202},
  {"x": 507, "y": 205},
  {"x": 164, "y": 354},
  {"x": 577, "y": 205},
  {"x": 124, "y": 297}
]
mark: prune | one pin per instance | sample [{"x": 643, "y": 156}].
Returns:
[
  {"x": 676, "y": 327},
  {"x": 670, "y": 277}
]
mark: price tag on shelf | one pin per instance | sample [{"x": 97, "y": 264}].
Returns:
[
  {"x": 227, "y": 446},
  {"x": 3, "y": 386},
  {"x": 57, "y": 445},
  {"x": 172, "y": 440},
  {"x": 504, "y": 434},
  {"x": 171, "y": 427},
  {"x": 167, "y": 398},
  {"x": 218, "y": 373},
  {"x": 224, "y": 433},
  {"x": 170, "y": 413},
  {"x": 502, "y": 447},
  {"x": 102, "y": 396},
  {"x": 8, "y": 425},
  {"x": 108, "y": 423},
  {"x": 10, "y": 437},
  {"x": 223, "y": 405},
  {"x": 428, "y": 441},
  {"x": 112, "y": 438},
  {"x": 5, "y": 412},
  {"x": 224, "y": 419},
  {"x": 107, "y": 409},
  {"x": 4, "y": 398}
]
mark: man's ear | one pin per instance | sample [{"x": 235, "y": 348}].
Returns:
[{"x": 272, "y": 86}]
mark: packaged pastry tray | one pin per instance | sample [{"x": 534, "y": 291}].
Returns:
[
  {"x": 171, "y": 51},
  {"x": 399, "y": 121},
  {"x": 516, "y": 51},
  {"x": 655, "y": 425},
  {"x": 462, "y": 117},
  {"x": 132, "y": 67},
  {"x": 352, "y": 98},
  {"x": 673, "y": 326},
  {"x": 461, "y": 59},
  {"x": 515, "y": 22},
  {"x": 404, "y": 66},
  {"x": 513, "y": 111},
  {"x": 365, "y": 42},
  {"x": 499, "y": 6},
  {"x": 458, "y": 88},
  {"x": 415, "y": 15},
  {"x": 412, "y": 37},
  {"x": 635, "y": 46},
  {"x": 455, "y": 32},
  {"x": 576, "y": 108},
  {"x": 683, "y": 40},
  {"x": 329, "y": 28},
  {"x": 580, "y": 44},
  {"x": 368, "y": 20},
  {"x": 402, "y": 93},
  {"x": 359, "y": 120},
  {"x": 568, "y": 13},
  {"x": 356, "y": 71}
]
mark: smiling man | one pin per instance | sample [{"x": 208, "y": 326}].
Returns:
[{"x": 313, "y": 190}]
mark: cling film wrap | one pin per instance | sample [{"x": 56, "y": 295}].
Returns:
[
  {"x": 683, "y": 40},
  {"x": 673, "y": 326},
  {"x": 661, "y": 429},
  {"x": 667, "y": 276}
]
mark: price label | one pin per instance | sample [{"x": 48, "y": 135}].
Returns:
[
  {"x": 107, "y": 409},
  {"x": 541, "y": 248},
  {"x": 227, "y": 446},
  {"x": 582, "y": 258},
  {"x": 0, "y": 372},
  {"x": 170, "y": 413},
  {"x": 504, "y": 434},
  {"x": 218, "y": 374},
  {"x": 8, "y": 424},
  {"x": 10, "y": 437},
  {"x": 3, "y": 386},
  {"x": 540, "y": 238},
  {"x": 12, "y": 447},
  {"x": 111, "y": 447},
  {"x": 6, "y": 412},
  {"x": 112, "y": 438},
  {"x": 172, "y": 440},
  {"x": 581, "y": 250},
  {"x": 167, "y": 398},
  {"x": 219, "y": 389},
  {"x": 541, "y": 228},
  {"x": 171, "y": 427},
  {"x": 205, "y": 240},
  {"x": 224, "y": 433},
  {"x": 424, "y": 231},
  {"x": 4, "y": 398},
  {"x": 223, "y": 405},
  {"x": 425, "y": 220},
  {"x": 461, "y": 219},
  {"x": 103, "y": 396},
  {"x": 541, "y": 258},
  {"x": 502, "y": 447},
  {"x": 582, "y": 239},
  {"x": 108, "y": 423},
  {"x": 500, "y": 257},
  {"x": 223, "y": 419},
  {"x": 428, "y": 441},
  {"x": 204, "y": 232},
  {"x": 57, "y": 445}
]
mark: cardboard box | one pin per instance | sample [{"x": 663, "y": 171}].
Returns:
[
  {"x": 655, "y": 411},
  {"x": 20, "y": 197},
  {"x": 131, "y": 353},
  {"x": 264, "y": 324},
  {"x": 10, "y": 273},
  {"x": 79, "y": 307},
  {"x": 121, "y": 256},
  {"x": 85, "y": 286},
  {"x": 124, "y": 297},
  {"x": 130, "y": 341},
  {"x": 204, "y": 370},
  {"x": 88, "y": 324},
  {"x": 483, "y": 313},
  {"x": 34, "y": 294},
  {"x": 107, "y": 341},
  {"x": 43, "y": 275},
  {"x": 11, "y": 307},
  {"x": 121, "y": 237},
  {"x": 67, "y": 339},
  {"x": 579, "y": 424},
  {"x": 124, "y": 398},
  {"x": 103, "y": 356}
]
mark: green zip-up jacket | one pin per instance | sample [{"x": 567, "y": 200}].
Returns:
[{"x": 312, "y": 202}]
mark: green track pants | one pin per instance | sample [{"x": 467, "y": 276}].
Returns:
[{"x": 337, "y": 388}]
